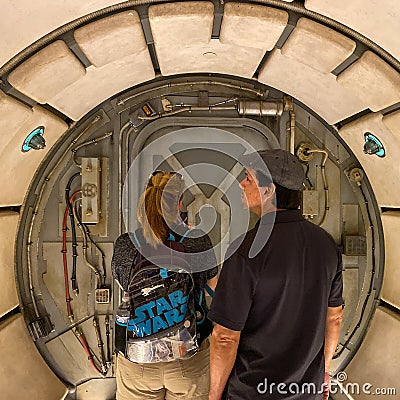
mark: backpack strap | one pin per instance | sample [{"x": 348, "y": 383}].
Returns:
[
  {"x": 171, "y": 237},
  {"x": 184, "y": 235},
  {"x": 209, "y": 290}
]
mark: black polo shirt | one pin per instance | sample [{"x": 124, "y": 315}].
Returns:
[{"x": 279, "y": 300}]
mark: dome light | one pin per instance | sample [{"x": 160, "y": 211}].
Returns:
[
  {"x": 34, "y": 140},
  {"x": 373, "y": 145}
]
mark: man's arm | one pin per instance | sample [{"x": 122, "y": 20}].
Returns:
[
  {"x": 224, "y": 345},
  {"x": 332, "y": 331}
]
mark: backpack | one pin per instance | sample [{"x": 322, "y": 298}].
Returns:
[{"x": 162, "y": 319}]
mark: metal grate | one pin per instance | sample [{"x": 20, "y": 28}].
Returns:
[
  {"x": 103, "y": 295},
  {"x": 355, "y": 245}
]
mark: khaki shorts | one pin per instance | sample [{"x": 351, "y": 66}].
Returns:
[{"x": 181, "y": 379}]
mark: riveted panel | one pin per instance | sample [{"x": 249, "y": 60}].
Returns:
[
  {"x": 317, "y": 90},
  {"x": 383, "y": 173},
  {"x": 47, "y": 72},
  {"x": 27, "y": 22},
  {"x": 318, "y": 46},
  {"x": 20, "y": 358},
  {"x": 111, "y": 38},
  {"x": 251, "y": 25},
  {"x": 375, "y": 19},
  {"x": 378, "y": 360},
  {"x": 8, "y": 293},
  {"x": 13, "y": 162},
  {"x": 96, "y": 86},
  {"x": 372, "y": 79},
  {"x": 391, "y": 228},
  {"x": 11, "y": 110}
]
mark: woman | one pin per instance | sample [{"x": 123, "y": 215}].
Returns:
[{"x": 159, "y": 218}]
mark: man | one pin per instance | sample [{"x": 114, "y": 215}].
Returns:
[{"x": 277, "y": 315}]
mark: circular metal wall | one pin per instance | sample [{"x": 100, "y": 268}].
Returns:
[{"x": 110, "y": 134}]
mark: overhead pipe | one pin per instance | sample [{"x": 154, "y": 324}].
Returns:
[
  {"x": 260, "y": 108},
  {"x": 291, "y": 124}
]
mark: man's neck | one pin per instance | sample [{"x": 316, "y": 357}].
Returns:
[{"x": 266, "y": 209}]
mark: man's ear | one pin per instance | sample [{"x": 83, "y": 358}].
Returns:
[{"x": 270, "y": 191}]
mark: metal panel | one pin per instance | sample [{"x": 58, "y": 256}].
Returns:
[
  {"x": 111, "y": 38},
  {"x": 14, "y": 163},
  {"x": 375, "y": 19},
  {"x": 26, "y": 23},
  {"x": 391, "y": 227},
  {"x": 102, "y": 83},
  {"x": 8, "y": 293},
  {"x": 316, "y": 45},
  {"x": 378, "y": 360},
  {"x": 251, "y": 25},
  {"x": 182, "y": 37},
  {"x": 317, "y": 90},
  {"x": 11, "y": 110},
  {"x": 383, "y": 173},
  {"x": 26, "y": 376},
  {"x": 392, "y": 122},
  {"x": 373, "y": 81},
  {"x": 183, "y": 24},
  {"x": 47, "y": 72}
]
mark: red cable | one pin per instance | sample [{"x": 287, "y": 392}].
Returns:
[
  {"x": 64, "y": 253},
  {"x": 79, "y": 335},
  {"x": 85, "y": 346}
]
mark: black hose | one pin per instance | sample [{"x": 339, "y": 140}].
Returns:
[
  {"x": 107, "y": 323},
  {"x": 88, "y": 235},
  {"x": 103, "y": 256},
  {"x": 307, "y": 177},
  {"x": 74, "y": 282}
]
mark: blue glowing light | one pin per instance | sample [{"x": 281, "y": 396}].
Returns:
[
  {"x": 34, "y": 140},
  {"x": 373, "y": 145}
]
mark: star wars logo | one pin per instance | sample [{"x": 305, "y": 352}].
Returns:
[{"x": 159, "y": 314}]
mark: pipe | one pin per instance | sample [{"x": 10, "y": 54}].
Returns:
[
  {"x": 92, "y": 141},
  {"x": 259, "y": 93},
  {"x": 183, "y": 109},
  {"x": 82, "y": 340},
  {"x": 107, "y": 323},
  {"x": 100, "y": 344},
  {"x": 85, "y": 246},
  {"x": 126, "y": 126},
  {"x": 260, "y": 108},
  {"x": 292, "y": 126},
  {"x": 73, "y": 233},
  {"x": 326, "y": 189},
  {"x": 64, "y": 256}
]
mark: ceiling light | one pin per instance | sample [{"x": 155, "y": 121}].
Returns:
[
  {"x": 373, "y": 145},
  {"x": 34, "y": 140}
]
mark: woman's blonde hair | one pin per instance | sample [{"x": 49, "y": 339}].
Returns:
[{"x": 158, "y": 206}]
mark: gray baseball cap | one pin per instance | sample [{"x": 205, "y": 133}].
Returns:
[{"x": 283, "y": 167}]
